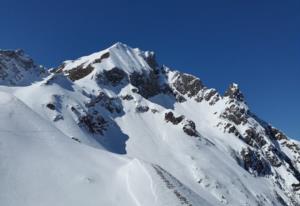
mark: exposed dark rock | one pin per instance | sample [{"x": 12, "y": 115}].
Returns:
[
  {"x": 113, "y": 76},
  {"x": 79, "y": 72},
  {"x": 127, "y": 97},
  {"x": 274, "y": 133},
  {"x": 76, "y": 139},
  {"x": 296, "y": 186},
  {"x": 253, "y": 137},
  {"x": 169, "y": 117},
  {"x": 234, "y": 92},
  {"x": 50, "y": 106},
  {"x": 280, "y": 199},
  {"x": 232, "y": 129},
  {"x": 111, "y": 104},
  {"x": 190, "y": 128},
  {"x": 147, "y": 84},
  {"x": 151, "y": 60},
  {"x": 235, "y": 114},
  {"x": 210, "y": 94},
  {"x": 104, "y": 56},
  {"x": 180, "y": 98},
  {"x": 154, "y": 111},
  {"x": 187, "y": 84},
  {"x": 271, "y": 155},
  {"x": 58, "y": 117},
  {"x": 94, "y": 124},
  {"x": 254, "y": 163},
  {"x": 199, "y": 98},
  {"x": 142, "y": 109}
]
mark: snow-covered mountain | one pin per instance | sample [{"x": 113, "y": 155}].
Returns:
[{"x": 116, "y": 127}]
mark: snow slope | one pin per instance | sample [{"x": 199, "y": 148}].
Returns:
[{"x": 117, "y": 127}]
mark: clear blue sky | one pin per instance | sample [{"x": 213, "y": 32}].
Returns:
[{"x": 254, "y": 43}]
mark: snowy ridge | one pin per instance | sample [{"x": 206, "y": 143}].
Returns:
[
  {"x": 119, "y": 124},
  {"x": 16, "y": 68}
]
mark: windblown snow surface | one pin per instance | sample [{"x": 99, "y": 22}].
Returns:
[{"x": 117, "y": 128}]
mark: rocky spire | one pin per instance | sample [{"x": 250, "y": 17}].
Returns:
[{"x": 234, "y": 92}]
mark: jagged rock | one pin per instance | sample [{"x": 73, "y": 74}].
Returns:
[
  {"x": 150, "y": 59},
  {"x": 147, "y": 84},
  {"x": 127, "y": 97},
  {"x": 16, "y": 68},
  {"x": 271, "y": 155},
  {"x": 190, "y": 128},
  {"x": 187, "y": 84},
  {"x": 95, "y": 124},
  {"x": 232, "y": 129},
  {"x": 111, "y": 104},
  {"x": 210, "y": 94},
  {"x": 113, "y": 76},
  {"x": 296, "y": 187},
  {"x": 199, "y": 98},
  {"x": 274, "y": 133},
  {"x": 252, "y": 138},
  {"x": 235, "y": 114},
  {"x": 169, "y": 117},
  {"x": 50, "y": 106},
  {"x": 79, "y": 72},
  {"x": 179, "y": 98},
  {"x": 254, "y": 163},
  {"x": 104, "y": 56},
  {"x": 234, "y": 92},
  {"x": 141, "y": 109}
]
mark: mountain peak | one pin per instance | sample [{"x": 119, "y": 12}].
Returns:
[
  {"x": 234, "y": 92},
  {"x": 119, "y": 55},
  {"x": 17, "y": 68}
]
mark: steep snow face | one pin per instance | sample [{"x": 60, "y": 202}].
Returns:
[
  {"x": 40, "y": 166},
  {"x": 17, "y": 69},
  {"x": 175, "y": 141}
]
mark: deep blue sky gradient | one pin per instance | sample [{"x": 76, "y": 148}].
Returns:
[{"x": 254, "y": 43}]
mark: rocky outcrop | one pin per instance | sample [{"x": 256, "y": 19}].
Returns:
[
  {"x": 113, "y": 76},
  {"x": 79, "y": 72},
  {"x": 274, "y": 133},
  {"x": 169, "y": 117},
  {"x": 187, "y": 84},
  {"x": 234, "y": 92},
  {"x": 190, "y": 128},
  {"x": 94, "y": 124},
  {"x": 147, "y": 84},
  {"x": 109, "y": 103},
  {"x": 103, "y": 56},
  {"x": 254, "y": 163},
  {"x": 150, "y": 59},
  {"x": 253, "y": 138},
  {"x": 234, "y": 113},
  {"x": 141, "y": 109},
  {"x": 16, "y": 68}
]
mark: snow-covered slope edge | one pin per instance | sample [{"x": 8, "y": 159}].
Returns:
[
  {"x": 40, "y": 166},
  {"x": 181, "y": 142}
]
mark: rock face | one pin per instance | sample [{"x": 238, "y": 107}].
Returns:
[
  {"x": 254, "y": 163},
  {"x": 201, "y": 146},
  {"x": 80, "y": 72},
  {"x": 113, "y": 76},
  {"x": 16, "y": 68},
  {"x": 169, "y": 117},
  {"x": 234, "y": 92},
  {"x": 187, "y": 84},
  {"x": 147, "y": 84},
  {"x": 190, "y": 128}
]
